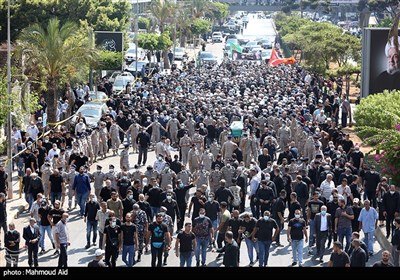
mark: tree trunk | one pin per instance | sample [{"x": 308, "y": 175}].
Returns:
[
  {"x": 51, "y": 100},
  {"x": 165, "y": 59}
]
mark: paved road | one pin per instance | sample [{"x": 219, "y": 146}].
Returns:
[{"x": 79, "y": 256}]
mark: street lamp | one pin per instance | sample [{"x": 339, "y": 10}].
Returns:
[{"x": 9, "y": 116}]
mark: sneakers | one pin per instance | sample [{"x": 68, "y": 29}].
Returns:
[
  {"x": 294, "y": 263},
  {"x": 251, "y": 264},
  {"x": 300, "y": 265},
  {"x": 197, "y": 264},
  {"x": 87, "y": 246},
  {"x": 321, "y": 260},
  {"x": 42, "y": 252}
]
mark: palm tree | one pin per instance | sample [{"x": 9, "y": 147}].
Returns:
[
  {"x": 54, "y": 51},
  {"x": 199, "y": 8},
  {"x": 163, "y": 11}
]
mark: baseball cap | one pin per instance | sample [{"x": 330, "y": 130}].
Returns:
[{"x": 99, "y": 252}]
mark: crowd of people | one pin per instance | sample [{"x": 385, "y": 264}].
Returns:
[{"x": 291, "y": 172}]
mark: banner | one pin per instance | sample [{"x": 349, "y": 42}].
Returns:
[
  {"x": 110, "y": 41},
  {"x": 380, "y": 60}
]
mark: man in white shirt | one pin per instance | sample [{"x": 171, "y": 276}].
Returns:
[
  {"x": 33, "y": 131},
  {"x": 254, "y": 184},
  {"x": 323, "y": 225},
  {"x": 53, "y": 151},
  {"x": 327, "y": 186}
]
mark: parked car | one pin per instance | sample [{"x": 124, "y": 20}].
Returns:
[
  {"x": 217, "y": 37},
  {"x": 92, "y": 111},
  {"x": 180, "y": 53},
  {"x": 207, "y": 57},
  {"x": 265, "y": 43}
]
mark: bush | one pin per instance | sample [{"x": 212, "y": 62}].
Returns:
[
  {"x": 378, "y": 124},
  {"x": 381, "y": 111},
  {"x": 110, "y": 60}
]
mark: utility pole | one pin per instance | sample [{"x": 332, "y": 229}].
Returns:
[
  {"x": 136, "y": 35},
  {"x": 9, "y": 113},
  {"x": 90, "y": 33}
]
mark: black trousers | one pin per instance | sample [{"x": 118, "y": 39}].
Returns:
[
  {"x": 111, "y": 252},
  {"x": 63, "y": 258},
  {"x": 389, "y": 224},
  {"x": 220, "y": 239},
  {"x": 322, "y": 236},
  {"x": 255, "y": 207},
  {"x": 142, "y": 155},
  {"x": 33, "y": 254},
  {"x": 182, "y": 210},
  {"x": 156, "y": 256}
]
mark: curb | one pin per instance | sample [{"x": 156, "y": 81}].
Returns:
[{"x": 382, "y": 240}]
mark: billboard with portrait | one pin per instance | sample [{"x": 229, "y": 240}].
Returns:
[
  {"x": 380, "y": 64},
  {"x": 110, "y": 41}
]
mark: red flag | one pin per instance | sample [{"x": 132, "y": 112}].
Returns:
[
  {"x": 289, "y": 60},
  {"x": 275, "y": 59}
]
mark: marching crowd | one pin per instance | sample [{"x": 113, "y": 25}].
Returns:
[{"x": 290, "y": 172}]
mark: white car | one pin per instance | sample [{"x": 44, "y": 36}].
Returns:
[
  {"x": 130, "y": 54},
  {"x": 92, "y": 111},
  {"x": 113, "y": 76},
  {"x": 120, "y": 84},
  {"x": 217, "y": 37},
  {"x": 132, "y": 67},
  {"x": 180, "y": 53},
  {"x": 127, "y": 75}
]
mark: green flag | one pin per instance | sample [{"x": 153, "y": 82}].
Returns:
[{"x": 236, "y": 47}]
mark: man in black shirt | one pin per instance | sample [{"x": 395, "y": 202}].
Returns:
[
  {"x": 358, "y": 256},
  {"x": 265, "y": 196},
  {"x": 278, "y": 210},
  {"x": 263, "y": 159},
  {"x": 185, "y": 245},
  {"x": 231, "y": 249},
  {"x": 105, "y": 192},
  {"x": 44, "y": 225},
  {"x": 247, "y": 228},
  {"x": 112, "y": 241},
  {"x": 313, "y": 207},
  {"x": 128, "y": 203},
  {"x": 160, "y": 239},
  {"x": 196, "y": 202},
  {"x": 339, "y": 258},
  {"x": 129, "y": 239},
  {"x": 223, "y": 193},
  {"x": 297, "y": 234},
  {"x": 54, "y": 217},
  {"x": 263, "y": 232},
  {"x": 234, "y": 225},
  {"x": 81, "y": 160},
  {"x": 371, "y": 181},
  {"x": 180, "y": 192},
  {"x": 385, "y": 262},
  {"x": 56, "y": 186},
  {"x": 11, "y": 241},
  {"x": 302, "y": 192},
  {"x": 91, "y": 208},
  {"x": 143, "y": 139}
]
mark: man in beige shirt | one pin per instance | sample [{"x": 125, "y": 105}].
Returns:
[{"x": 115, "y": 204}]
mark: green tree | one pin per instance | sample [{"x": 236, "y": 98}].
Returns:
[
  {"x": 143, "y": 23},
  {"x": 54, "y": 50},
  {"x": 200, "y": 26},
  {"x": 383, "y": 6},
  {"x": 148, "y": 41},
  {"x": 109, "y": 60},
  {"x": 164, "y": 41},
  {"x": 219, "y": 12},
  {"x": 20, "y": 104}
]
